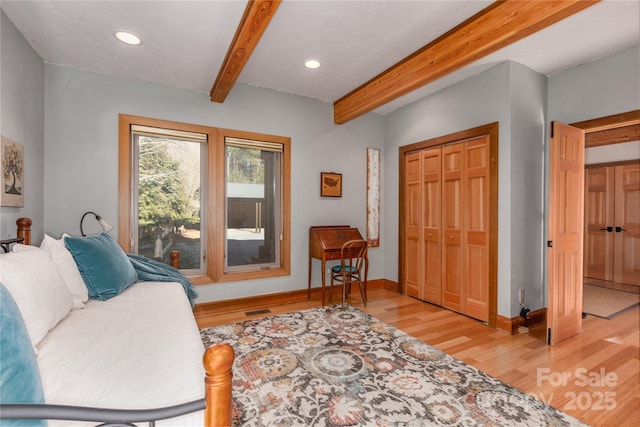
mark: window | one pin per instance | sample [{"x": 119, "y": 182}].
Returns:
[
  {"x": 218, "y": 197},
  {"x": 253, "y": 204}
]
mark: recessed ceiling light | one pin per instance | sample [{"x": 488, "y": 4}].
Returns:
[
  {"x": 312, "y": 64},
  {"x": 127, "y": 37}
]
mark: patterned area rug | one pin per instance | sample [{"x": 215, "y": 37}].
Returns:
[{"x": 334, "y": 367}]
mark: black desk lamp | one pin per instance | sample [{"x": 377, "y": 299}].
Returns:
[{"x": 103, "y": 223}]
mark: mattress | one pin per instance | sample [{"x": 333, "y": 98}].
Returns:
[{"x": 138, "y": 350}]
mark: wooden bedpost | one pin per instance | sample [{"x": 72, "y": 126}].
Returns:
[
  {"x": 175, "y": 259},
  {"x": 218, "y": 361},
  {"x": 24, "y": 230}
]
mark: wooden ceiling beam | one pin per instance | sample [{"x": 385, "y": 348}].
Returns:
[
  {"x": 497, "y": 26},
  {"x": 254, "y": 22}
]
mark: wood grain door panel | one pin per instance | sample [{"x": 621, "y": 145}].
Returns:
[
  {"x": 476, "y": 290},
  {"x": 598, "y": 241},
  {"x": 566, "y": 219},
  {"x": 452, "y": 214},
  {"x": 452, "y": 275},
  {"x": 626, "y": 265},
  {"x": 413, "y": 225},
  {"x": 432, "y": 254},
  {"x": 567, "y": 301},
  {"x": 476, "y": 228}
]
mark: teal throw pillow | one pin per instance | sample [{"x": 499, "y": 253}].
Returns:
[
  {"x": 103, "y": 265},
  {"x": 19, "y": 375}
]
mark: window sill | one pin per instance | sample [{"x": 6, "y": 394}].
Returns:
[
  {"x": 236, "y": 277},
  {"x": 200, "y": 280}
]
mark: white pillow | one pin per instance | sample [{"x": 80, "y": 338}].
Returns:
[
  {"x": 37, "y": 288},
  {"x": 19, "y": 247},
  {"x": 63, "y": 260}
]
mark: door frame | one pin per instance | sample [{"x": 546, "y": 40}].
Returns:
[
  {"x": 614, "y": 129},
  {"x": 490, "y": 130},
  {"x": 608, "y": 130}
]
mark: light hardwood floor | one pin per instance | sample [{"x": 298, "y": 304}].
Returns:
[{"x": 595, "y": 376}]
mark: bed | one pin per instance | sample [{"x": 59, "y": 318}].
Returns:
[{"x": 133, "y": 357}]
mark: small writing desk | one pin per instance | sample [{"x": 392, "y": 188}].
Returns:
[{"x": 325, "y": 243}]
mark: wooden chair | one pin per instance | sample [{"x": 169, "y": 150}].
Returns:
[{"x": 353, "y": 269}]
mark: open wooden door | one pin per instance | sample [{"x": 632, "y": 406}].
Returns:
[{"x": 565, "y": 244}]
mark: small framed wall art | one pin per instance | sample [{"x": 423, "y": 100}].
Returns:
[
  {"x": 12, "y": 186},
  {"x": 330, "y": 184}
]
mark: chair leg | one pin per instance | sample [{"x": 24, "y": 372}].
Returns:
[
  {"x": 363, "y": 292},
  {"x": 345, "y": 283},
  {"x": 331, "y": 289}
]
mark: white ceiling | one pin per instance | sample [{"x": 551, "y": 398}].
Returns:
[{"x": 185, "y": 42}]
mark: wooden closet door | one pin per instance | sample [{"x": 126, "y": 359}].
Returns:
[
  {"x": 627, "y": 222},
  {"x": 598, "y": 240},
  {"x": 432, "y": 251},
  {"x": 476, "y": 228},
  {"x": 452, "y": 197},
  {"x": 413, "y": 225}
]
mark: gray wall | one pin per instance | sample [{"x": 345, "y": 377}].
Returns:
[
  {"x": 81, "y": 148},
  {"x": 597, "y": 89},
  {"x": 528, "y": 122},
  {"x": 612, "y": 153},
  {"x": 22, "y": 121}
]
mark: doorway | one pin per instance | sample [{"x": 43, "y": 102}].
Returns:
[
  {"x": 624, "y": 127},
  {"x": 612, "y": 224},
  {"x": 607, "y": 131}
]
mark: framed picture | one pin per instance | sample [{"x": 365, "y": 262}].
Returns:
[
  {"x": 12, "y": 186},
  {"x": 330, "y": 184}
]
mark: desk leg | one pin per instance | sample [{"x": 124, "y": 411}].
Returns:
[
  {"x": 309, "y": 287},
  {"x": 324, "y": 274},
  {"x": 366, "y": 278}
]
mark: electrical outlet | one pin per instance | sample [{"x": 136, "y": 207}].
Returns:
[{"x": 521, "y": 297}]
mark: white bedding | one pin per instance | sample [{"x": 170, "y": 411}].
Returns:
[{"x": 139, "y": 350}]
